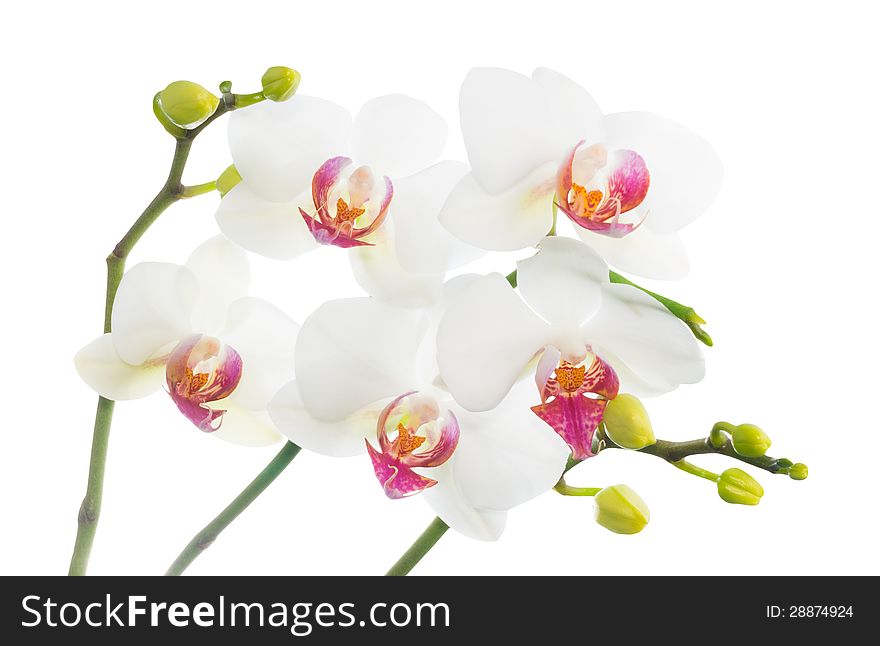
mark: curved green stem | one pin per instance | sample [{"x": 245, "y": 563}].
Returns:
[
  {"x": 694, "y": 470},
  {"x": 198, "y": 189},
  {"x": 417, "y": 550},
  {"x": 565, "y": 489},
  {"x": 205, "y": 538},
  {"x": 171, "y": 191}
]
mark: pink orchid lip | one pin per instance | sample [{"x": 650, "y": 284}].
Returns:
[
  {"x": 599, "y": 210},
  {"x": 573, "y": 399},
  {"x": 339, "y": 229},
  {"x": 424, "y": 439},
  {"x": 200, "y": 370}
]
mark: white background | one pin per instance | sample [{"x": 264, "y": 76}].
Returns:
[{"x": 784, "y": 268}]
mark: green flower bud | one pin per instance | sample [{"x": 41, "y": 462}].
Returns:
[
  {"x": 798, "y": 471},
  {"x": 228, "y": 180},
  {"x": 627, "y": 423},
  {"x": 621, "y": 510},
  {"x": 750, "y": 441},
  {"x": 186, "y": 103},
  {"x": 280, "y": 83},
  {"x": 739, "y": 488}
]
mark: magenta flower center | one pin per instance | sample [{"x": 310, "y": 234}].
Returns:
[{"x": 202, "y": 370}]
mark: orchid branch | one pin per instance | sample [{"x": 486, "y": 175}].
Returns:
[
  {"x": 419, "y": 548},
  {"x": 676, "y": 452},
  {"x": 205, "y": 538},
  {"x": 172, "y": 190},
  {"x": 686, "y": 314}
]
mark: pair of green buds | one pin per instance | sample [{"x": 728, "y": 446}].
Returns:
[{"x": 187, "y": 104}]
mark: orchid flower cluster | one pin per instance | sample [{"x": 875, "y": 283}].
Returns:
[{"x": 475, "y": 392}]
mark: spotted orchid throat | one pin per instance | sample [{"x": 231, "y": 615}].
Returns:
[
  {"x": 573, "y": 398},
  {"x": 202, "y": 370},
  {"x": 595, "y": 188},
  {"x": 412, "y": 432},
  {"x": 346, "y": 210}
]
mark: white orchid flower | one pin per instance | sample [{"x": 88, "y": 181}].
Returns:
[
  {"x": 590, "y": 336},
  {"x": 365, "y": 373},
  {"x": 310, "y": 177},
  {"x": 628, "y": 181},
  {"x": 221, "y": 354}
]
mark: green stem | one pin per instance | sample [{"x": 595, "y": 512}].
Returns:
[
  {"x": 693, "y": 469},
  {"x": 674, "y": 452},
  {"x": 208, "y": 535},
  {"x": 417, "y": 550},
  {"x": 562, "y": 487},
  {"x": 686, "y": 314},
  {"x": 171, "y": 191},
  {"x": 198, "y": 189},
  {"x": 90, "y": 508}
]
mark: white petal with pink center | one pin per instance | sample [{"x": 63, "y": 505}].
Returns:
[
  {"x": 489, "y": 334},
  {"x": 221, "y": 354},
  {"x": 535, "y": 141},
  {"x": 348, "y": 189},
  {"x": 361, "y": 390}
]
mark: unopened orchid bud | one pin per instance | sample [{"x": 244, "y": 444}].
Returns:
[
  {"x": 228, "y": 179},
  {"x": 186, "y": 103},
  {"x": 798, "y": 471},
  {"x": 621, "y": 510},
  {"x": 750, "y": 441},
  {"x": 627, "y": 422},
  {"x": 739, "y": 488},
  {"x": 280, "y": 83}
]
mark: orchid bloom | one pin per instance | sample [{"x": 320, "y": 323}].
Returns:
[
  {"x": 590, "y": 337},
  {"x": 371, "y": 389},
  {"x": 311, "y": 176},
  {"x": 628, "y": 181},
  {"x": 220, "y": 354}
]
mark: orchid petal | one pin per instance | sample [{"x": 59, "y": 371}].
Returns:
[
  {"x": 265, "y": 338},
  {"x": 397, "y": 135},
  {"x": 153, "y": 308},
  {"x": 245, "y": 427},
  {"x": 507, "y": 456},
  {"x": 578, "y": 116},
  {"x": 379, "y": 273},
  {"x": 563, "y": 281},
  {"x": 515, "y": 218},
  {"x": 685, "y": 170},
  {"x": 509, "y": 127},
  {"x": 277, "y": 147},
  {"x": 575, "y": 418},
  {"x": 635, "y": 331},
  {"x": 397, "y": 478},
  {"x": 485, "y": 338},
  {"x": 454, "y": 509},
  {"x": 422, "y": 244},
  {"x": 223, "y": 272},
  {"x": 337, "y": 439},
  {"x": 352, "y": 352},
  {"x": 100, "y": 367},
  {"x": 643, "y": 253},
  {"x": 271, "y": 229}
]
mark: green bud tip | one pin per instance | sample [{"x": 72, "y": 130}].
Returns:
[
  {"x": 627, "y": 422},
  {"x": 280, "y": 83},
  {"x": 739, "y": 488},
  {"x": 227, "y": 180},
  {"x": 750, "y": 441},
  {"x": 225, "y": 87},
  {"x": 621, "y": 510},
  {"x": 798, "y": 471},
  {"x": 186, "y": 103}
]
